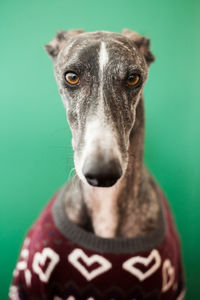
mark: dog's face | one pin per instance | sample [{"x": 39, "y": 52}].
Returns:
[{"x": 100, "y": 76}]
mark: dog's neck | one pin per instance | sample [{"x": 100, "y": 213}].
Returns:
[{"x": 129, "y": 208}]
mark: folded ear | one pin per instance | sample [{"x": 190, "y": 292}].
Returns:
[
  {"x": 54, "y": 47},
  {"x": 142, "y": 43}
]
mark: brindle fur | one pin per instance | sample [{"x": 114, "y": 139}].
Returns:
[{"x": 129, "y": 208}]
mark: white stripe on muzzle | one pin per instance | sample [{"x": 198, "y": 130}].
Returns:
[{"x": 100, "y": 139}]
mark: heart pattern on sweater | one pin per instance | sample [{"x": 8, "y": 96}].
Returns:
[
  {"x": 130, "y": 265},
  {"x": 40, "y": 260},
  {"x": 168, "y": 273},
  {"x": 103, "y": 264}
]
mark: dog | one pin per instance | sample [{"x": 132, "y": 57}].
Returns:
[{"x": 108, "y": 233}]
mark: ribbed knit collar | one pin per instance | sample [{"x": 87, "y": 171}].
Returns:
[{"x": 98, "y": 244}]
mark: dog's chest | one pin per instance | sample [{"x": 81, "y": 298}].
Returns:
[
  {"x": 61, "y": 261},
  {"x": 103, "y": 209}
]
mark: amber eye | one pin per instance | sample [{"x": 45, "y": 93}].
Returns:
[
  {"x": 72, "y": 78},
  {"x": 133, "y": 79}
]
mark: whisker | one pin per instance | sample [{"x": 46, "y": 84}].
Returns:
[{"x": 70, "y": 173}]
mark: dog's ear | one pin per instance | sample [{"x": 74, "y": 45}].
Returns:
[
  {"x": 54, "y": 47},
  {"x": 142, "y": 43}
]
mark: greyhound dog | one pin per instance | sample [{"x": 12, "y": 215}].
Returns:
[
  {"x": 113, "y": 201},
  {"x": 105, "y": 111}
]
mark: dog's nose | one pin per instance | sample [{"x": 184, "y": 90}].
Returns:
[{"x": 100, "y": 173}]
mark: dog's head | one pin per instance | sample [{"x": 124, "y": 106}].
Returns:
[{"x": 100, "y": 77}]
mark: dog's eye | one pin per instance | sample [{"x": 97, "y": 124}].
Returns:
[
  {"x": 72, "y": 78},
  {"x": 133, "y": 79}
]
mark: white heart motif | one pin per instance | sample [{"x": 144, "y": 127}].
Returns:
[
  {"x": 14, "y": 293},
  {"x": 76, "y": 254},
  {"x": 40, "y": 260},
  {"x": 129, "y": 265},
  {"x": 168, "y": 274}
]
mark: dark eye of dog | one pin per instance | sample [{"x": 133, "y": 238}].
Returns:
[
  {"x": 133, "y": 80},
  {"x": 72, "y": 78}
]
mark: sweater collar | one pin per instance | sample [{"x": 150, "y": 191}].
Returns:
[{"x": 90, "y": 241}]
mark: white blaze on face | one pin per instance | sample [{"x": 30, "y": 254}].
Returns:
[
  {"x": 103, "y": 56},
  {"x": 103, "y": 60},
  {"x": 100, "y": 138}
]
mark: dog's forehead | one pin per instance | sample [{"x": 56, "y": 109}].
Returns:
[{"x": 87, "y": 45}]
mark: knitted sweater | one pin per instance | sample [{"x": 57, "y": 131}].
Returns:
[{"x": 60, "y": 260}]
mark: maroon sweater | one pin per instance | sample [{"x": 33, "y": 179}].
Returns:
[{"x": 60, "y": 260}]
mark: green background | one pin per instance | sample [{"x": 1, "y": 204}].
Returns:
[{"x": 35, "y": 150}]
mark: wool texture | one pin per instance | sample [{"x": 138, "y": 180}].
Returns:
[{"x": 61, "y": 261}]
